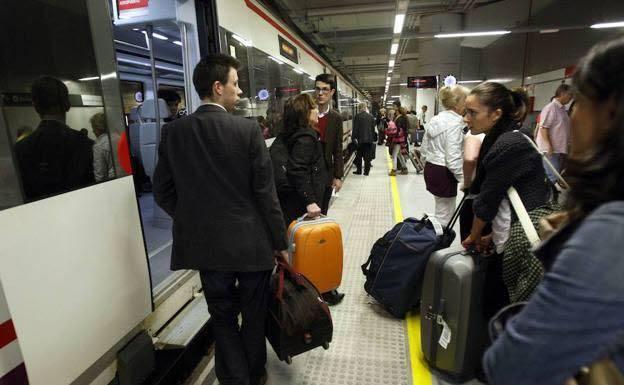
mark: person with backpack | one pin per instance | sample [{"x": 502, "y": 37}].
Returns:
[
  {"x": 396, "y": 135},
  {"x": 299, "y": 164}
]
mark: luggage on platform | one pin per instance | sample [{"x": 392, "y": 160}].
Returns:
[
  {"x": 315, "y": 248},
  {"x": 417, "y": 162},
  {"x": 298, "y": 320},
  {"x": 453, "y": 321},
  {"x": 395, "y": 268}
]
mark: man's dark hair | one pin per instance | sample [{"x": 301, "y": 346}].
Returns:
[
  {"x": 327, "y": 78},
  {"x": 210, "y": 69},
  {"x": 563, "y": 89},
  {"x": 49, "y": 95},
  {"x": 169, "y": 96},
  {"x": 397, "y": 103}
]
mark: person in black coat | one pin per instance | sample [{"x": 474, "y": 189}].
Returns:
[
  {"x": 306, "y": 171},
  {"x": 214, "y": 177},
  {"x": 363, "y": 135}
]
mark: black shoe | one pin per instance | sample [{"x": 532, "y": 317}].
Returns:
[
  {"x": 357, "y": 172},
  {"x": 333, "y": 297}
]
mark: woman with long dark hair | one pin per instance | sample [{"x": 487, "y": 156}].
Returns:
[
  {"x": 305, "y": 169},
  {"x": 576, "y": 316},
  {"x": 506, "y": 159}
]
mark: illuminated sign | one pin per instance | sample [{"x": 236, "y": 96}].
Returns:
[
  {"x": 263, "y": 94},
  {"x": 283, "y": 92},
  {"x": 450, "y": 81},
  {"x": 132, "y": 8},
  {"x": 288, "y": 50},
  {"x": 422, "y": 82}
]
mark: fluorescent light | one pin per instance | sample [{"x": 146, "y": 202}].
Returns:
[
  {"x": 394, "y": 48},
  {"x": 242, "y": 40},
  {"x": 159, "y": 36},
  {"x": 398, "y": 22},
  {"x": 311, "y": 77},
  {"x": 554, "y": 30},
  {"x": 395, "y": 96},
  {"x": 391, "y": 63},
  {"x": 297, "y": 70},
  {"x": 501, "y": 80},
  {"x": 278, "y": 61},
  {"x": 402, "y": 84},
  {"x": 89, "y": 78},
  {"x": 469, "y": 34},
  {"x": 615, "y": 24},
  {"x": 469, "y": 81},
  {"x": 390, "y": 70},
  {"x": 177, "y": 42}
]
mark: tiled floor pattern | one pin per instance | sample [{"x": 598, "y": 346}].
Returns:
[{"x": 369, "y": 346}]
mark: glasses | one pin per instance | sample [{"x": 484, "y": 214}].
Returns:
[{"x": 324, "y": 90}]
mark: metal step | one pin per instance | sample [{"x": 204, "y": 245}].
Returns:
[{"x": 181, "y": 330}]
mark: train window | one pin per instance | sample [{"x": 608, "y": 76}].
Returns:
[{"x": 60, "y": 134}]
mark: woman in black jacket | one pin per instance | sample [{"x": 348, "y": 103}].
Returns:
[{"x": 305, "y": 169}]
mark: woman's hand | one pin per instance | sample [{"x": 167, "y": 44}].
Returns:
[
  {"x": 551, "y": 223},
  {"x": 313, "y": 210},
  {"x": 469, "y": 243}
]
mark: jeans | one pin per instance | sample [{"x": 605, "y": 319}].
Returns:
[
  {"x": 556, "y": 160},
  {"x": 240, "y": 350}
]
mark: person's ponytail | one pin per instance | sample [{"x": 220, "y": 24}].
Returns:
[{"x": 520, "y": 100}]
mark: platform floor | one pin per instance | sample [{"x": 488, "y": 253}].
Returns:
[{"x": 369, "y": 346}]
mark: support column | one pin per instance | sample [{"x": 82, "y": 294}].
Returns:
[{"x": 438, "y": 56}]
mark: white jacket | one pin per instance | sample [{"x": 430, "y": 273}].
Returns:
[{"x": 443, "y": 143}]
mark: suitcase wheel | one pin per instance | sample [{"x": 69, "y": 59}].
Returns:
[
  {"x": 288, "y": 360},
  {"x": 325, "y": 345}
]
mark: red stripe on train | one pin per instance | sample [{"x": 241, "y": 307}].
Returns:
[
  {"x": 7, "y": 333},
  {"x": 16, "y": 376}
]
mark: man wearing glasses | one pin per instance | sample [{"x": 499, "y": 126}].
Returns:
[{"x": 330, "y": 130}]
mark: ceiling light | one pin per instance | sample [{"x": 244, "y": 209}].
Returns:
[
  {"x": 242, "y": 40},
  {"x": 402, "y": 84},
  {"x": 177, "y": 42},
  {"x": 297, "y": 70},
  {"x": 278, "y": 61},
  {"x": 159, "y": 36},
  {"x": 396, "y": 96},
  {"x": 553, "y": 30},
  {"x": 398, "y": 23},
  {"x": 312, "y": 78},
  {"x": 394, "y": 48},
  {"x": 89, "y": 78},
  {"x": 615, "y": 24},
  {"x": 391, "y": 63},
  {"x": 501, "y": 80},
  {"x": 469, "y": 81},
  {"x": 470, "y": 34}
]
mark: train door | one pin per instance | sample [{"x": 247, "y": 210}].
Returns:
[{"x": 157, "y": 45}]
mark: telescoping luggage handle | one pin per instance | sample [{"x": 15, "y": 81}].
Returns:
[{"x": 548, "y": 163}]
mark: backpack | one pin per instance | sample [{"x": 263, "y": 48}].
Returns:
[
  {"x": 280, "y": 152},
  {"x": 391, "y": 130}
]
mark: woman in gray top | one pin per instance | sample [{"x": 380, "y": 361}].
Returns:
[{"x": 576, "y": 316}]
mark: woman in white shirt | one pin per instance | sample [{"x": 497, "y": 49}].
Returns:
[{"x": 442, "y": 148}]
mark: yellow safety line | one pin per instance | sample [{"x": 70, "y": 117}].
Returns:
[{"x": 420, "y": 371}]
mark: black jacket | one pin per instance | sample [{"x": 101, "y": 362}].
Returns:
[
  {"x": 215, "y": 178},
  {"x": 54, "y": 159},
  {"x": 333, "y": 146},
  {"x": 363, "y": 128},
  {"x": 306, "y": 168}
]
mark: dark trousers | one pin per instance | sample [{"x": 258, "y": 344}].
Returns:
[
  {"x": 364, "y": 151},
  {"x": 326, "y": 199},
  {"x": 240, "y": 351}
]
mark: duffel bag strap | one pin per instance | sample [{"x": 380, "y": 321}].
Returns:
[{"x": 284, "y": 267}]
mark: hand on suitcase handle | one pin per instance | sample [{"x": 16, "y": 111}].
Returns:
[{"x": 307, "y": 216}]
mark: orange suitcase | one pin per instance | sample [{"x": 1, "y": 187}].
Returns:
[{"x": 315, "y": 250}]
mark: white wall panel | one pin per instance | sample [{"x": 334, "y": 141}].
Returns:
[{"x": 75, "y": 277}]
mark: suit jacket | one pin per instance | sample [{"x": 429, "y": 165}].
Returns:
[
  {"x": 333, "y": 146},
  {"x": 214, "y": 177},
  {"x": 363, "y": 128}
]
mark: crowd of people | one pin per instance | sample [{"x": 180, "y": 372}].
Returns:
[{"x": 574, "y": 315}]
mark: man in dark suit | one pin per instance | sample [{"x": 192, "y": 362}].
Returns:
[
  {"x": 215, "y": 178},
  {"x": 330, "y": 131},
  {"x": 363, "y": 135}
]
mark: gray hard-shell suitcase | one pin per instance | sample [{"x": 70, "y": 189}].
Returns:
[{"x": 453, "y": 323}]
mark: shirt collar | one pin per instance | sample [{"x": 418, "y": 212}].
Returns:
[
  {"x": 558, "y": 103},
  {"x": 213, "y": 104},
  {"x": 323, "y": 113}
]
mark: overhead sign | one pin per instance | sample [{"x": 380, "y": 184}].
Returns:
[
  {"x": 132, "y": 8},
  {"x": 288, "y": 50},
  {"x": 282, "y": 92},
  {"x": 422, "y": 82}
]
